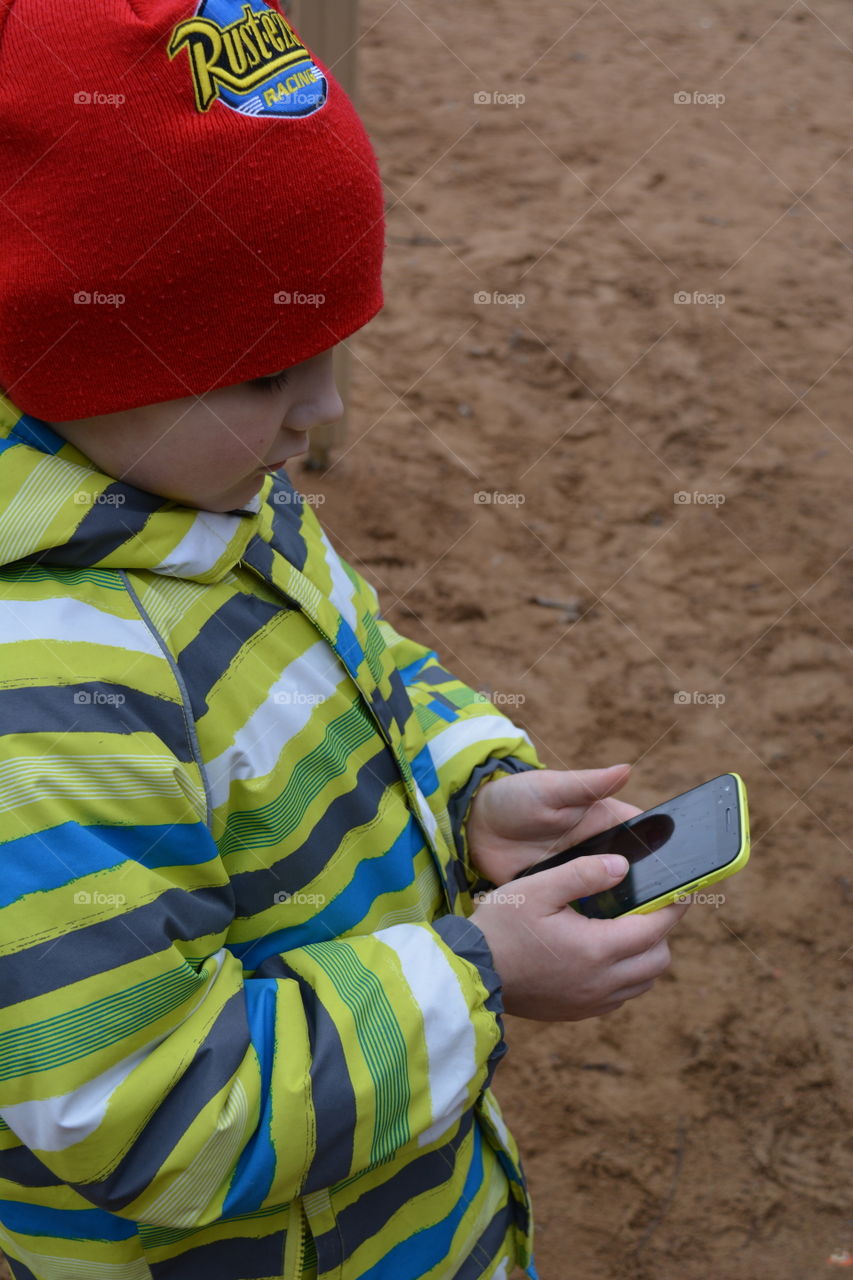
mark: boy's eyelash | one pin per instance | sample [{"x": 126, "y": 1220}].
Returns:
[{"x": 274, "y": 383}]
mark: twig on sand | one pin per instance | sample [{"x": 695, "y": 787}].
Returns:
[{"x": 670, "y": 1196}]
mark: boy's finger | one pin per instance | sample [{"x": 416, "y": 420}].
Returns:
[
  {"x": 579, "y": 878},
  {"x": 634, "y": 935}
]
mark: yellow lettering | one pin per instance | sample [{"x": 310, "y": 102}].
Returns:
[
  {"x": 268, "y": 24},
  {"x": 251, "y": 20},
  {"x": 270, "y": 96},
  {"x": 246, "y": 36},
  {"x": 196, "y": 33},
  {"x": 235, "y": 52}
]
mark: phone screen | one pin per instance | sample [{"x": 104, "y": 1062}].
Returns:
[{"x": 674, "y": 844}]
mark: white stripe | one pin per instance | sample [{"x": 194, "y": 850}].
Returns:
[
  {"x": 75, "y": 779},
  {"x": 48, "y": 1266},
  {"x": 185, "y": 1199},
  {"x": 429, "y": 899},
  {"x": 66, "y": 619},
  {"x": 202, "y": 546},
  {"x": 343, "y": 590},
  {"x": 427, "y": 815},
  {"x": 449, "y": 1034},
  {"x": 464, "y": 733},
  {"x": 50, "y": 486},
  {"x": 54, "y": 1124},
  {"x": 256, "y": 750}
]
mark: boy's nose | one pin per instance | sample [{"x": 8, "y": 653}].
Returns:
[{"x": 320, "y": 409}]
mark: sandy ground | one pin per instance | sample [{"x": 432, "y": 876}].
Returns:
[{"x": 700, "y": 1131}]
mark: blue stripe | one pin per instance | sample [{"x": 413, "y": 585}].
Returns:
[
  {"x": 414, "y": 669},
  {"x": 441, "y": 709},
  {"x": 38, "y": 434},
  {"x": 66, "y": 854},
  {"x": 374, "y": 878},
  {"x": 255, "y": 1170},
  {"x": 426, "y": 1249},
  {"x": 66, "y": 1224},
  {"x": 424, "y": 770},
  {"x": 349, "y": 650}
]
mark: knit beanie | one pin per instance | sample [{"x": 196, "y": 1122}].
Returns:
[{"x": 189, "y": 200}]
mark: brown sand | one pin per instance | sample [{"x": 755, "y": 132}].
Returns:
[{"x": 698, "y": 1132}]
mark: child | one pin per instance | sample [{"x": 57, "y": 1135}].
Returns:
[{"x": 249, "y": 1013}]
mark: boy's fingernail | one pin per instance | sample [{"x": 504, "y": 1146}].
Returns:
[{"x": 615, "y": 863}]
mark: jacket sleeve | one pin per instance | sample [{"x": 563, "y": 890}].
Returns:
[
  {"x": 138, "y": 1063},
  {"x": 470, "y": 742}
]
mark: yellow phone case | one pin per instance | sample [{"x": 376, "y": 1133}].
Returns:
[{"x": 694, "y": 886}]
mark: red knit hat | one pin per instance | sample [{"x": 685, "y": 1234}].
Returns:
[{"x": 189, "y": 201}]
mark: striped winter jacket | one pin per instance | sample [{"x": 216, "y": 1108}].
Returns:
[{"x": 246, "y": 1029}]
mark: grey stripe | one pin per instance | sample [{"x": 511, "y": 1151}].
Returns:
[
  {"x": 83, "y": 953},
  {"x": 18, "y": 1164},
  {"x": 287, "y": 536},
  {"x": 467, "y": 940},
  {"x": 243, "y": 1258},
  {"x": 397, "y": 706},
  {"x": 216, "y": 1060},
  {"x": 443, "y": 701},
  {"x": 210, "y": 653},
  {"x": 94, "y": 706},
  {"x": 106, "y": 526},
  {"x": 435, "y": 675},
  {"x": 332, "y": 1093},
  {"x": 255, "y": 891},
  {"x": 192, "y": 733},
  {"x": 259, "y": 555},
  {"x": 19, "y": 1271},
  {"x": 489, "y": 1244},
  {"x": 366, "y": 1217},
  {"x": 459, "y": 802}
]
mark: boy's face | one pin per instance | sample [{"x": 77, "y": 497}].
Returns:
[{"x": 212, "y": 451}]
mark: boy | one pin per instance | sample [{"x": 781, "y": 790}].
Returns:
[{"x": 249, "y": 1014}]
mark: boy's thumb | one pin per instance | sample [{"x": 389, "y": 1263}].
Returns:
[{"x": 583, "y": 876}]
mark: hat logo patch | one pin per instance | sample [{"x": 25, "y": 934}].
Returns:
[{"x": 250, "y": 59}]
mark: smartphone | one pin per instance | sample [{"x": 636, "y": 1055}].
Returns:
[{"x": 675, "y": 849}]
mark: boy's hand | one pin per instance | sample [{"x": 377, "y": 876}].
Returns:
[
  {"x": 524, "y": 818},
  {"x": 555, "y": 965}
]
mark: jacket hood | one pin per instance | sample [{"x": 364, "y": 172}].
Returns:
[{"x": 58, "y": 508}]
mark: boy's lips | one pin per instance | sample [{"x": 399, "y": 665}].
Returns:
[{"x": 300, "y": 444}]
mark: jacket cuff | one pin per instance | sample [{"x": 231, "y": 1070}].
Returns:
[
  {"x": 468, "y": 941},
  {"x": 459, "y": 807}
]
